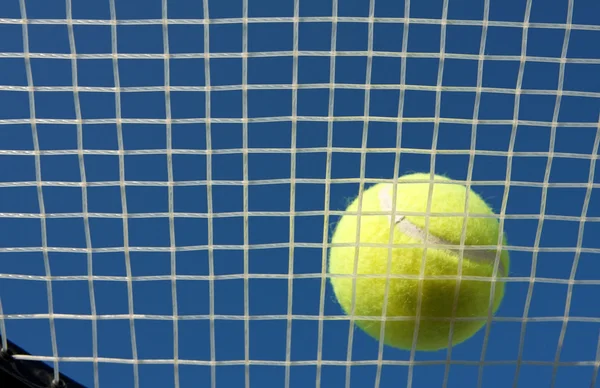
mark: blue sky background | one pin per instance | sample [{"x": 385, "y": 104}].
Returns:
[{"x": 566, "y": 283}]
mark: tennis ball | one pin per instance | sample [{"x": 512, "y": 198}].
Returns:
[{"x": 441, "y": 258}]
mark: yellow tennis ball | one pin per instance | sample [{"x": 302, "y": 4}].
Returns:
[{"x": 442, "y": 258}]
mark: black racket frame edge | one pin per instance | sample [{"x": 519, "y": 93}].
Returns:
[{"x": 17, "y": 373}]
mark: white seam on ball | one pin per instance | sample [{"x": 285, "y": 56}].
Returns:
[{"x": 408, "y": 228}]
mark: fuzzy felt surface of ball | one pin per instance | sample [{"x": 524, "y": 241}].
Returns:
[{"x": 392, "y": 245}]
